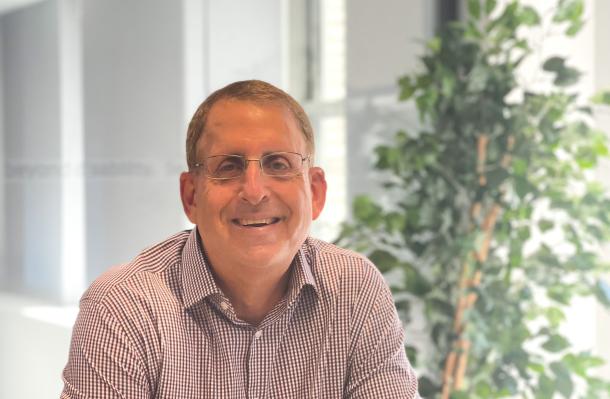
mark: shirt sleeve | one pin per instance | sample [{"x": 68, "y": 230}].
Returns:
[
  {"x": 103, "y": 362},
  {"x": 379, "y": 367}
]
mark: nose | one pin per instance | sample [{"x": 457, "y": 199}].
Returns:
[{"x": 253, "y": 188}]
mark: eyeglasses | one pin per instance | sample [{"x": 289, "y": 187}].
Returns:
[{"x": 275, "y": 164}]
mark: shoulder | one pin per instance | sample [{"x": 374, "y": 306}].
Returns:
[
  {"x": 150, "y": 266},
  {"x": 343, "y": 271}
]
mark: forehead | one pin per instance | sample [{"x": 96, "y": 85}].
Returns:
[{"x": 238, "y": 126}]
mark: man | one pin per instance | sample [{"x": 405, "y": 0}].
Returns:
[{"x": 245, "y": 305}]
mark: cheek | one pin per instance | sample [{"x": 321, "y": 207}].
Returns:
[
  {"x": 211, "y": 200},
  {"x": 301, "y": 202}
]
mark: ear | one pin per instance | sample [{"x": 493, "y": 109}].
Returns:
[
  {"x": 317, "y": 182},
  {"x": 187, "y": 195}
]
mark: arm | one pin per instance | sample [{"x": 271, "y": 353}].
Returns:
[
  {"x": 379, "y": 367},
  {"x": 103, "y": 362}
]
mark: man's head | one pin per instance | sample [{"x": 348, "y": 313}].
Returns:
[
  {"x": 254, "y": 218},
  {"x": 255, "y": 91}
]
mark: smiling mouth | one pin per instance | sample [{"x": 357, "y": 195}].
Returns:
[{"x": 256, "y": 222}]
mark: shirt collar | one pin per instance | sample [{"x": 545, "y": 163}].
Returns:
[
  {"x": 198, "y": 281},
  {"x": 302, "y": 274}
]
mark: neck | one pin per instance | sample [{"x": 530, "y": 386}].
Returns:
[
  {"x": 252, "y": 292},
  {"x": 254, "y": 300}
]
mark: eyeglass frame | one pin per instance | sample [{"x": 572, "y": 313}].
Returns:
[{"x": 246, "y": 161}]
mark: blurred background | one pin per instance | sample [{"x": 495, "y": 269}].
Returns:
[{"x": 95, "y": 98}]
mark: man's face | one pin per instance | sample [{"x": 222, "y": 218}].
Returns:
[{"x": 224, "y": 210}]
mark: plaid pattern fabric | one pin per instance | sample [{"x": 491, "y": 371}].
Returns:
[{"x": 159, "y": 327}]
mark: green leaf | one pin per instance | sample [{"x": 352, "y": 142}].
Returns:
[
  {"x": 388, "y": 157},
  {"x": 546, "y": 387},
  {"x": 520, "y": 167},
  {"x": 583, "y": 261},
  {"x": 564, "y": 75},
  {"x": 536, "y": 367},
  {"x": 554, "y": 64},
  {"x": 448, "y": 83},
  {"x": 567, "y": 77},
  {"x": 474, "y": 8},
  {"x": 490, "y": 5},
  {"x": 437, "y": 330},
  {"x": 407, "y": 88},
  {"x": 434, "y": 44},
  {"x": 546, "y": 225},
  {"x": 586, "y": 158},
  {"x": 459, "y": 395},
  {"x": 425, "y": 103},
  {"x": 427, "y": 388},
  {"x": 569, "y": 10},
  {"x": 505, "y": 381},
  {"x": 496, "y": 177},
  {"x": 523, "y": 187},
  {"x": 602, "y": 292},
  {"x": 395, "y": 221},
  {"x": 582, "y": 362},
  {"x": 575, "y": 27},
  {"x": 599, "y": 145},
  {"x": 560, "y": 293},
  {"x": 603, "y": 97},
  {"x": 555, "y": 316},
  {"x": 477, "y": 80},
  {"x": 556, "y": 343},
  {"x": 563, "y": 380},
  {"x": 411, "y": 355},
  {"x": 383, "y": 260},
  {"x": 366, "y": 211},
  {"x": 441, "y": 306},
  {"x": 529, "y": 16},
  {"x": 483, "y": 389},
  {"x": 415, "y": 282},
  {"x": 523, "y": 233}
]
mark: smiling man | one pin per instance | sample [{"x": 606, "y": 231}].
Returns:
[{"x": 245, "y": 305}]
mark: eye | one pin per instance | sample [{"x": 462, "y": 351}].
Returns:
[
  {"x": 277, "y": 163},
  {"x": 228, "y": 165}
]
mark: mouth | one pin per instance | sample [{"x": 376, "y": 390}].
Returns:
[{"x": 255, "y": 222}]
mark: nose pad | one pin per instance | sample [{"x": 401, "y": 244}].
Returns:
[{"x": 253, "y": 188}]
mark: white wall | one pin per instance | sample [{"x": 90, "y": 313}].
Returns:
[
  {"x": 133, "y": 122},
  {"x": 3, "y": 263},
  {"x": 31, "y": 148},
  {"x": 33, "y": 342},
  {"x": 382, "y": 45},
  {"x": 245, "y": 41}
]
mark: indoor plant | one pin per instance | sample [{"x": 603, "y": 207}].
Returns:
[{"x": 495, "y": 221}]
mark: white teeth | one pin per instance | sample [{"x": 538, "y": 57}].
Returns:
[{"x": 249, "y": 222}]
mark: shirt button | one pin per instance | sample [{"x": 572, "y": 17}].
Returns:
[
  {"x": 224, "y": 305},
  {"x": 258, "y": 334}
]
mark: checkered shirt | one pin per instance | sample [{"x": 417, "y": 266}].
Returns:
[{"x": 159, "y": 327}]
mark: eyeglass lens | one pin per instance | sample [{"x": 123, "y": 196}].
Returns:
[{"x": 273, "y": 164}]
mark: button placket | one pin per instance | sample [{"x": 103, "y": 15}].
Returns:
[{"x": 257, "y": 365}]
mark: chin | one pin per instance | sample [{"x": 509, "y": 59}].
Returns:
[{"x": 268, "y": 255}]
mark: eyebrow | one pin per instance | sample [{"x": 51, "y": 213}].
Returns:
[{"x": 242, "y": 154}]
